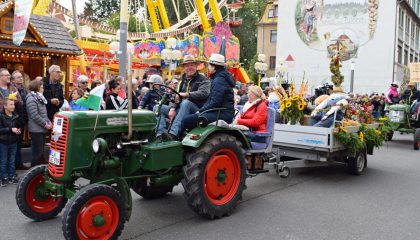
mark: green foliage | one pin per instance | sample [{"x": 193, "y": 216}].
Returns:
[
  {"x": 251, "y": 14},
  {"x": 372, "y": 136},
  {"x": 351, "y": 141},
  {"x": 114, "y": 22}
]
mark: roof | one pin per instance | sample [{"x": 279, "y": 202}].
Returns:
[
  {"x": 50, "y": 30},
  {"x": 265, "y": 19}
]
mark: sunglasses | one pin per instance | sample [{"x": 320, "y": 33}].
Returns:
[{"x": 84, "y": 82}]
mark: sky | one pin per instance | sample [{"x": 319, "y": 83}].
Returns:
[{"x": 80, "y": 4}]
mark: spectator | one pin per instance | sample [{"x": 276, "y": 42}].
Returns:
[
  {"x": 134, "y": 100},
  {"x": 19, "y": 67},
  {"x": 149, "y": 100},
  {"x": 7, "y": 88},
  {"x": 10, "y": 129},
  {"x": 376, "y": 102},
  {"x": 173, "y": 84},
  {"x": 83, "y": 83},
  {"x": 53, "y": 91},
  {"x": 75, "y": 95},
  {"x": 95, "y": 83},
  {"x": 392, "y": 95},
  {"x": 39, "y": 122},
  {"x": 411, "y": 94},
  {"x": 114, "y": 101},
  {"x": 18, "y": 82}
]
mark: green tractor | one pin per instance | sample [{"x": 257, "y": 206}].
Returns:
[
  {"x": 405, "y": 122},
  {"x": 115, "y": 156}
]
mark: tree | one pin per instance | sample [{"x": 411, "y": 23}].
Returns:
[
  {"x": 250, "y": 13},
  {"x": 114, "y": 22}
]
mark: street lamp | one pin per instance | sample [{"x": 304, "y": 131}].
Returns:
[
  {"x": 352, "y": 65},
  {"x": 281, "y": 71},
  {"x": 170, "y": 56},
  {"x": 260, "y": 67}
]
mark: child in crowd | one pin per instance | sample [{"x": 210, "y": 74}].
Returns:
[{"x": 10, "y": 129}]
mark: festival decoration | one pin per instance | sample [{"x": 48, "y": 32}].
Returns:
[{"x": 293, "y": 104}]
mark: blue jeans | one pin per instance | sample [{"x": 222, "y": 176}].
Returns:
[
  {"x": 186, "y": 108},
  {"x": 376, "y": 114},
  {"x": 7, "y": 160}
]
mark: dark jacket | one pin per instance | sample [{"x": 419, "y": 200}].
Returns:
[
  {"x": 6, "y": 124},
  {"x": 198, "y": 88},
  {"x": 149, "y": 100},
  {"x": 21, "y": 109},
  {"x": 410, "y": 96},
  {"x": 134, "y": 100},
  {"x": 37, "y": 114},
  {"x": 221, "y": 96},
  {"x": 53, "y": 91},
  {"x": 112, "y": 102}
]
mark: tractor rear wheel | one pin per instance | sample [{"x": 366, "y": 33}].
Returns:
[
  {"x": 357, "y": 164},
  {"x": 417, "y": 139},
  {"x": 95, "y": 212},
  {"x": 150, "y": 192},
  {"x": 32, "y": 197},
  {"x": 214, "y": 176}
]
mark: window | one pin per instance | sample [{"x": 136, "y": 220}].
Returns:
[
  {"x": 276, "y": 10},
  {"x": 401, "y": 20},
  {"x": 273, "y": 36},
  {"x": 400, "y": 52},
  {"x": 7, "y": 25},
  {"x": 407, "y": 24},
  {"x": 272, "y": 62},
  {"x": 271, "y": 13},
  {"x": 406, "y": 57}
]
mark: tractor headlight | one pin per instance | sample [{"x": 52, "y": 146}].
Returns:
[{"x": 98, "y": 144}]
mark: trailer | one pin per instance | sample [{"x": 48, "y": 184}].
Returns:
[{"x": 296, "y": 146}]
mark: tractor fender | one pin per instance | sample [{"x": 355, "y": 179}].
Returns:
[{"x": 198, "y": 135}]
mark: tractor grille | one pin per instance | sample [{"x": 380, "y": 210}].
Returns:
[{"x": 60, "y": 146}]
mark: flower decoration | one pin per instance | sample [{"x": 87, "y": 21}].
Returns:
[{"x": 292, "y": 103}]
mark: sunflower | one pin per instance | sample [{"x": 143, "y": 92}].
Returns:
[
  {"x": 343, "y": 129},
  {"x": 294, "y": 98},
  {"x": 288, "y": 104},
  {"x": 378, "y": 132},
  {"x": 301, "y": 107},
  {"x": 281, "y": 107},
  {"x": 361, "y": 136}
]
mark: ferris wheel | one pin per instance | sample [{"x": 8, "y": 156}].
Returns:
[{"x": 189, "y": 14}]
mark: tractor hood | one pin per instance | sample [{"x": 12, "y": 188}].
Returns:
[{"x": 399, "y": 107}]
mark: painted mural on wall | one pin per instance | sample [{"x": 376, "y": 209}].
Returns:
[
  {"x": 336, "y": 25},
  {"x": 148, "y": 49}
]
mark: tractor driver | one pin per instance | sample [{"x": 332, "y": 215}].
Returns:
[{"x": 194, "y": 89}]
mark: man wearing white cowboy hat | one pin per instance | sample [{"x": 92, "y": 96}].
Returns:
[
  {"x": 194, "y": 89},
  {"x": 411, "y": 94},
  {"x": 221, "y": 95}
]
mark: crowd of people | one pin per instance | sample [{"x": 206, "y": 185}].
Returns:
[{"x": 32, "y": 105}]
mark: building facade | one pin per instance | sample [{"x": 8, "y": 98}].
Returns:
[
  {"x": 267, "y": 36},
  {"x": 378, "y": 39},
  {"x": 407, "y": 48}
]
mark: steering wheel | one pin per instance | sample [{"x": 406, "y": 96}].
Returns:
[{"x": 162, "y": 90}]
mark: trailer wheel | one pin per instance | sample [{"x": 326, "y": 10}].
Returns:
[
  {"x": 150, "y": 192},
  {"x": 95, "y": 212},
  {"x": 32, "y": 198},
  {"x": 285, "y": 172},
  {"x": 389, "y": 136},
  {"x": 417, "y": 139},
  {"x": 214, "y": 176},
  {"x": 357, "y": 164}
]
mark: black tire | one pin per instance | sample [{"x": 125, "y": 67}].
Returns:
[
  {"x": 37, "y": 207},
  {"x": 150, "y": 192},
  {"x": 198, "y": 185},
  {"x": 357, "y": 164},
  {"x": 112, "y": 204},
  {"x": 417, "y": 139},
  {"x": 389, "y": 136}
]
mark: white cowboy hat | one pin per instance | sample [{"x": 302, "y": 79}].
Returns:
[
  {"x": 217, "y": 59},
  {"x": 309, "y": 5}
]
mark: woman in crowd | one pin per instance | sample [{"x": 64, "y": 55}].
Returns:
[
  {"x": 254, "y": 113},
  {"x": 38, "y": 123},
  {"x": 74, "y": 96},
  {"x": 152, "y": 97},
  {"x": 114, "y": 101}
]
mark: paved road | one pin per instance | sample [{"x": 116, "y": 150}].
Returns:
[{"x": 316, "y": 203}]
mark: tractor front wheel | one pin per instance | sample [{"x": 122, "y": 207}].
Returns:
[
  {"x": 214, "y": 176},
  {"x": 95, "y": 212},
  {"x": 33, "y": 199}
]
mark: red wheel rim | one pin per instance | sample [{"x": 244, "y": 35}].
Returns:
[
  {"x": 222, "y": 176},
  {"x": 100, "y": 206},
  {"x": 36, "y": 198}
]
